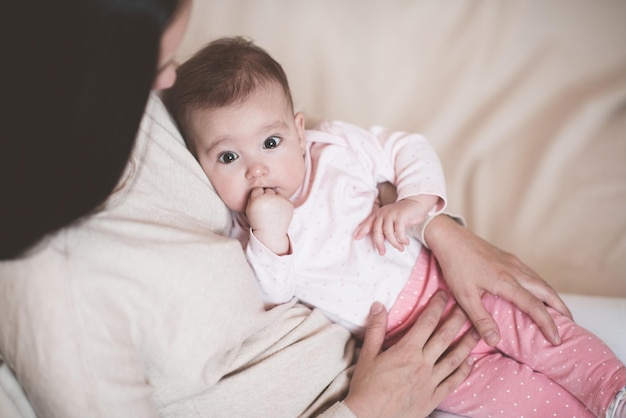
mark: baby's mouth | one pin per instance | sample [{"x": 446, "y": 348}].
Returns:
[{"x": 275, "y": 189}]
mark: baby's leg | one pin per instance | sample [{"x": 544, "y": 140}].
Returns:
[
  {"x": 501, "y": 387},
  {"x": 582, "y": 367},
  {"x": 583, "y": 364}
]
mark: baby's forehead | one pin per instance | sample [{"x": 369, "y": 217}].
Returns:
[{"x": 259, "y": 113}]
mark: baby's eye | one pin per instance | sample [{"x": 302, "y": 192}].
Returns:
[
  {"x": 227, "y": 157},
  {"x": 271, "y": 142}
]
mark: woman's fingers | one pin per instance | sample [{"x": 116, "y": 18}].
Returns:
[
  {"x": 433, "y": 340},
  {"x": 374, "y": 332},
  {"x": 539, "y": 288},
  {"x": 535, "y": 308},
  {"x": 404, "y": 381},
  {"x": 452, "y": 361},
  {"x": 421, "y": 331},
  {"x": 481, "y": 319},
  {"x": 523, "y": 287},
  {"x": 373, "y": 380},
  {"x": 444, "y": 336},
  {"x": 473, "y": 267},
  {"x": 455, "y": 366},
  {"x": 551, "y": 298}
]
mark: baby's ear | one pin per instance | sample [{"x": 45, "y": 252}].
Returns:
[{"x": 300, "y": 122}]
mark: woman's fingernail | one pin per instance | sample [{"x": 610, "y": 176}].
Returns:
[
  {"x": 556, "y": 339},
  {"x": 376, "y": 308},
  {"x": 491, "y": 338},
  {"x": 470, "y": 361},
  {"x": 443, "y": 294}
]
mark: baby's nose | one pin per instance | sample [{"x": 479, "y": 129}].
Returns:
[{"x": 256, "y": 170}]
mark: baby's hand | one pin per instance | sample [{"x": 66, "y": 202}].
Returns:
[
  {"x": 269, "y": 215},
  {"x": 391, "y": 222}
]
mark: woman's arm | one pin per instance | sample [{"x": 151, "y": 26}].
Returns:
[{"x": 471, "y": 267}]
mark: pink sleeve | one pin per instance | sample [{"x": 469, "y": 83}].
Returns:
[
  {"x": 406, "y": 160},
  {"x": 272, "y": 273},
  {"x": 417, "y": 168}
]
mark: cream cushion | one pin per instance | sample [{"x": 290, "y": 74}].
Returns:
[{"x": 525, "y": 102}]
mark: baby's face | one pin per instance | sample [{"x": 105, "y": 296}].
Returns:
[{"x": 256, "y": 143}]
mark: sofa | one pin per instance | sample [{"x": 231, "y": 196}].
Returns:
[{"x": 525, "y": 102}]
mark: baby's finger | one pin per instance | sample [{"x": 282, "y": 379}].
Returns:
[
  {"x": 378, "y": 238},
  {"x": 256, "y": 192},
  {"x": 390, "y": 236},
  {"x": 364, "y": 227},
  {"x": 401, "y": 233}
]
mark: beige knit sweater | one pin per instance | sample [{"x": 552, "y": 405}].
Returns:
[{"x": 145, "y": 309}]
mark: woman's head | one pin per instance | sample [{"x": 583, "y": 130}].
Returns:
[
  {"x": 170, "y": 40},
  {"x": 80, "y": 77}
]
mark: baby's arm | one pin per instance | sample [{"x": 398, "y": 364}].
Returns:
[
  {"x": 388, "y": 194},
  {"x": 392, "y": 220},
  {"x": 424, "y": 203},
  {"x": 415, "y": 188},
  {"x": 269, "y": 215}
]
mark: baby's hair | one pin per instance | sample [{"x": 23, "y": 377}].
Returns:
[{"x": 224, "y": 72}]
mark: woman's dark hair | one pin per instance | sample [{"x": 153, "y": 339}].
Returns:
[{"x": 76, "y": 85}]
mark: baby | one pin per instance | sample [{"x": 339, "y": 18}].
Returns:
[{"x": 306, "y": 210}]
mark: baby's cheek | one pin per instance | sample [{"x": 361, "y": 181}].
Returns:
[{"x": 235, "y": 201}]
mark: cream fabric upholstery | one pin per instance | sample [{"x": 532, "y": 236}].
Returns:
[{"x": 525, "y": 102}]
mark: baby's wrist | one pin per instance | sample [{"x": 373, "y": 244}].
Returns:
[{"x": 279, "y": 244}]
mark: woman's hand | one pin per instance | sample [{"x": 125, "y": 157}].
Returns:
[
  {"x": 413, "y": 376},
  {"x": 471, "y": 267}
]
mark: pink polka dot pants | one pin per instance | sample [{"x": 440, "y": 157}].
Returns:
[{"x": 525, "y": 375}]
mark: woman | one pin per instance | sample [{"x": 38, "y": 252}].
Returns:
[{"x": 127, "y": 302}]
